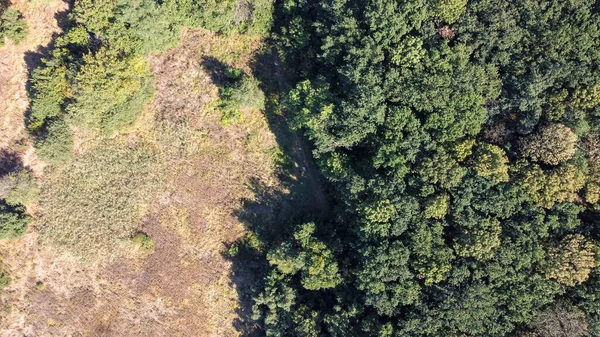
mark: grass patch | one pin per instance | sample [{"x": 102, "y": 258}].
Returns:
[{"x": 94, "y": 203}]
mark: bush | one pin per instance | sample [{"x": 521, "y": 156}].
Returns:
[
  {"x": 12, "y": 26},
  {"x": 18, "y": 188},
  {"x": 143, "y": 242},
  {"x": 13, "y": 221},
  {"x": 56, "y": 145}
]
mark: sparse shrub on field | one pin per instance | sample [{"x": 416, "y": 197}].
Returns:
[
  {"x": 13, "y": 221},
  {"x": 93, "y": 204},
  {"x": 56, "y": 144},
  {"x": 12, "y": 26},
  {"x": 143, "y": 242},
  {"x": 18, "y": 188}
]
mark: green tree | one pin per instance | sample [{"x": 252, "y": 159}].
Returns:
[
  {"x": 309, "y": 257},
  {"x": 13, "y": 221}
]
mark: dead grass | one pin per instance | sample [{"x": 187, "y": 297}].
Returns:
[{"x": 183, "y": 288}]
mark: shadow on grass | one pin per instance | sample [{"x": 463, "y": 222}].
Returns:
[
  {"x": 33, "y": 59},
  {"x": 271, "y": 215}
]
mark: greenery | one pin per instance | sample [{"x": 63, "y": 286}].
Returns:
[
  {"x": 56, "y": 144},
  {"x": 143, "y": 241},
  {"x": 19, "y": 188},
  {"x": 459, "y": 141},
  {"x": 13, "y": 221},
  {"x": 12, "y": 25},
  {"x": 457, "y": 138}
]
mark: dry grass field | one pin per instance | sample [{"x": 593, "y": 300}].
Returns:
[{"x": 197, "y": 174}]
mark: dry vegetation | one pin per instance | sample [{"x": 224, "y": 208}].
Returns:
[{"x": 185, "y": 188}]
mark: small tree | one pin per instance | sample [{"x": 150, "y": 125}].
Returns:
[
  {"x": 552, "y": 144},
  {"x": 12, "y": 26},
  {"x": 13, "y": 221}
]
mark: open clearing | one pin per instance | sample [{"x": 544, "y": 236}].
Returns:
[{"x": 206, "y": 171}]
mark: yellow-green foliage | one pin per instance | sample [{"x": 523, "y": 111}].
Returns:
[
  {"x": 491, "y": 162},
  {"x": 110, "y": 92},
  {"x": 480, "y": 242},
  {"x": 95, "y": 202},
  {"x": 463, "y": 149},
  {"x": 450, "y": 10},
  {"x": 549, "y": 187},
  {"x": 19, "y": 188},
  {"x": 437, "y": 208},
  {"x": 143, "y": 242},
  {"x": 571, "y": 262}
]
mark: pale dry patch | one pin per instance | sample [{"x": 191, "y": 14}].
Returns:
[{"x": 184, "y": 287}]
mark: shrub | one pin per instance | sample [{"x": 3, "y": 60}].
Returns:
[
  {"x": 143, "y": 242},
  {"x": 13, "y": 221},
  {"x": 18, "y": 188},
  {"x": 12, "y": 26},
  {"x": 56, "y": 145}
]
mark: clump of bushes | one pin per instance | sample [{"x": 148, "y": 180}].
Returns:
[
  {"x": 13, "y": 221},
  {"x": 12, "y": 25},
  {"x": 239, "y": 91}
]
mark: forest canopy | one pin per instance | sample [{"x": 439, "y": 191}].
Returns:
[
  {"x": 460, "y": 139},
  {"x": 459, "y": 142}
]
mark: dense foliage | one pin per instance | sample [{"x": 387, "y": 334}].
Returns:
[
  {"x": 97, "y": 75},
  {"x": 461, "y": 139},
  {"x": 12, "y": 25}
]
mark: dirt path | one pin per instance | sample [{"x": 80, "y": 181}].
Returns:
[{"x": 300, "y": 149}]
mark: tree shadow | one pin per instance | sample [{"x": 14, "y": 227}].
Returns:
[
  {"x": 9, "y": 162},
  {"x": 272, "y": 213},
  {"x": 33, "y": 59}
]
